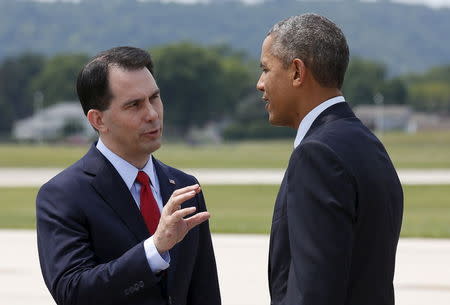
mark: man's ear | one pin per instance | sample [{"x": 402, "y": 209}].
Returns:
[
  {"x": 95, "y": 117},
  {"x": 299, "y": 72}
]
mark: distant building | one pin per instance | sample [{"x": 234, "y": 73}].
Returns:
[
  {"x": 62, "y": 121},
  {"x": 431, "y": 121},
  {"x": 387, "y": 117}
]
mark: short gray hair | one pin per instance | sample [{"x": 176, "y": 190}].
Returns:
[{"x": 317, "y": 41}]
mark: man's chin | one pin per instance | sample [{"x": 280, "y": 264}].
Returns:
[
  {"x": 273, "y": 121},
  {"x": 279, "y": 123},
  {"x": 153, "y": 146}
]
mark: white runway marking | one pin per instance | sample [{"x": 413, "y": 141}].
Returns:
[{"x": 34, "y": 177}]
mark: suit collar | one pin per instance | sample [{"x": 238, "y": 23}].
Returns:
[
  {"x": 93, "y": 161},
  {"x": 335, "y": 112},
  {"x": 307, "y": 121}
]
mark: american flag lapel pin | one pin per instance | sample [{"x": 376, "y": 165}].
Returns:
[{"x": 171, "y": 181}]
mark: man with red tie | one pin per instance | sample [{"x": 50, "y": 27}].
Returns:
[{"x": 119, "y": 226}]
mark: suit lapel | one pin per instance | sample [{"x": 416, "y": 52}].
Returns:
[
  {"x": 110, "y": 186},
  {"x": 167, "y": 182}
]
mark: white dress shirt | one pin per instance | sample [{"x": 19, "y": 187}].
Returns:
[
  {"x": 128, "y": 172},
  {"x": 307, "y": 121}
]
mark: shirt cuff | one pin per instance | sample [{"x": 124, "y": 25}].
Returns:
[{"x": 156, "y": 261}]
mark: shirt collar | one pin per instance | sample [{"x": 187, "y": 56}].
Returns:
[
  {"x": 126, "y": 170},
  {"x": 307, "y": 121}
]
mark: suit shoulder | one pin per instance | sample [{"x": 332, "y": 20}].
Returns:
[
  {"x": 345, "y": 137},
  {"x": 345, "y": 128},
  {"x": 66, "y": 173},
  {"x": 70, "y": 180},
  {"x": 348, "y": 142}
]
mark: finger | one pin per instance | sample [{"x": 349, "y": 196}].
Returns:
[
  {"x": 184, "y": 212},
  {"x": 197, "y": 219},
  {"x": 185, "y": 189},
  {"x": 175, "y": 201}
]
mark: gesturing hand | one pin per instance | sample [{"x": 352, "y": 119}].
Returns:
[{"x": 173, "y": 227}]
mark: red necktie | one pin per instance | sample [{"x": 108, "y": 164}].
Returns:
[{"x": 149, "y": 207}]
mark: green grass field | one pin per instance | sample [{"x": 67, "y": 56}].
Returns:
[
  {"x": 248, "y": 209},
  {"x": 17, "y": 207},
  {"x": 421, "y": 150}
]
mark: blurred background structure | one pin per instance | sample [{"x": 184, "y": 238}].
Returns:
[
  {"x": 206, "y": 55},
  {"x": 210, "y": 51}
]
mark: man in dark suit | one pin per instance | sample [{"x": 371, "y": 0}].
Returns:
[
  {"x": 338, "y": 213},
  {"x": 119, "y": 226}
]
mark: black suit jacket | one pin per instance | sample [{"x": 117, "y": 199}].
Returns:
[
  {"x": 337, "y": 218},
  {"x": 90, "y": 241}
]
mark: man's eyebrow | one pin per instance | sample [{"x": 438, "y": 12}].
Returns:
[
  {"x": 156, "y": 92},
  {"x": 261, "y": 65},
  {"x": 136, "y": 100},
  {"x": 132, "y": 101}
]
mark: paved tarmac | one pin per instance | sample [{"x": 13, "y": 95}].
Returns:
[
  {"x": 37, "y": 176},
  {"x": 422, "y": 271}
]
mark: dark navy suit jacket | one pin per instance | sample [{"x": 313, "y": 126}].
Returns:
[
  {"x": 90, "y": 240},
  {"x": 337, "y": 218}
]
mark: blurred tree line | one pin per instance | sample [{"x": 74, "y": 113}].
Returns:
[
  {"x": 209, "y": 84},
  {"x": 405, "y": 37}
]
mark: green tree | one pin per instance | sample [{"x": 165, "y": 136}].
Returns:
[
  {"x": 365, "y": 78},
  {"x": 6, "y": 118},
  {"x": 239, "y": 76},
  {"x": 439, "y": 74},
  {"x": 431, "y": 96},
  {"x": 198, "y": 84},
  {"x": 57, "y": 80},
  {"x": 362, "y": 80},
  {"x": 251, "y": 122},
  {"x": 430, "y": 91},
  {"x": 394, "y": 91},
  {"x": 406, "y": 37},
  {"x": 16, "y": 94}
]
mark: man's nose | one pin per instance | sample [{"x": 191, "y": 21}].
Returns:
[
  {"x": 260, "y": 84},
  {"x": 150, "y": 112}
]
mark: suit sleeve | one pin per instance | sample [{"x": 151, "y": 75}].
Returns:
[
  {"x": 68, "y": 262},
  {"x": 321, "y": 205},
  {"x": 204, "y": 286}
]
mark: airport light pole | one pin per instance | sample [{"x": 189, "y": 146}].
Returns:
[{"x": 378, "y": 99}]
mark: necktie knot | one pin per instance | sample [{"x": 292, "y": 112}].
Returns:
[{"x": 142, "y": 178}]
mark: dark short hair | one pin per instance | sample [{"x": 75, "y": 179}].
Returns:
[
  {"x": 317, "y": 41},
  {"x": 92, "y": 83}
]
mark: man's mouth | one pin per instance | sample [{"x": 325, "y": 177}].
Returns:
[
  {"x": 152, "y": 132},
  {"x": 266, "y": 100}
]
